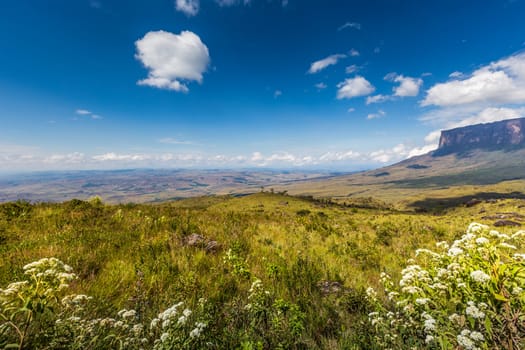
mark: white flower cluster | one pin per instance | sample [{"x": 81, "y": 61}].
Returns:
[
  {"x": 173, "y": 322},
  {"x": 429, "y": 299},
  {"x": 468, "y": 339}
]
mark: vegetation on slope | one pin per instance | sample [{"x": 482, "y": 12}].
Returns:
[{"x": 261, "y": 271}]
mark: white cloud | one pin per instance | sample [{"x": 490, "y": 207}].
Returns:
[
  {"x": 226, "y": 3},
  {"x": 354, "y": 87},
  {"x": 377, "y": 99},
  {"x": 433, "y": 137},
  {"x": 354, "y": 53},
  {"x": 418, "y": 151},
  {"x": 377, "y": 115},
  {"x": 75, "y": 157},
  {"x": 456, "y": 74},
  {"x": 172, "y": 141},
  {"x": 353, "y": 25},
  {"x": 188, "y": 7},
  {"x": 85, "y": 112},
  {"x": 172, "y": 58},
  {"x": 120, "y": 157},
  {"x": 277, "y": 93},
  {"x": 407, "y": 86},
  {"x": 501, "y": 82},
  {"x": 321, "y": 86},
  {"x": 318, "y": 66},
  {"x": 351, "y": 109},
  {"x": 339, "y": 156},
  {"x": 352, "y": 69}
]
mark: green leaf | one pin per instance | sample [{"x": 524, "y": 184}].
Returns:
[{"x": 500, "y": 297}]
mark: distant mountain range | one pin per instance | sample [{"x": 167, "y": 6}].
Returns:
[{"x": 482, "y": 157}]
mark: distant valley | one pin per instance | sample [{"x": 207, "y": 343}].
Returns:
[{"x": 484, "y": 160}]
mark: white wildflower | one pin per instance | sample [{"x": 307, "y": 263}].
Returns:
[
  {"x": 129, "y": 314},
  {"x": 476, "y": 227},
  {"x": 482, "y": 241},
  {"x": 442, "y": 245},
  {"x": 518, "y": 234},
  {"x": 181, "y": 320},
  {"x": 477, "y": 336},
  {"x": 479, "y": 276},
  {"x": 422, "y": 301},
  {"x": 507, "y": 246},
  {"x": 473, "y": 311},
  {"x": 455, "y": 251},
  {"x": 430, "y": 325},
  {"x": 429, "y": 339}
]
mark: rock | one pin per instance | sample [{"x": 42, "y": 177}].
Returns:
[
  {"x": 505, "y": 134},
  {"x": 194, "y": 240},
  {"x": 212, "y": 246},
  {"x": 501, "y": 223},
  {"x": 330, "y": 287}
]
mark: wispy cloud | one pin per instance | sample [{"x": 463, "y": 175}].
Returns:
[
  {"x": 321, "y": 86},
  {"x": 380, "y": 113},
  {"x": 277, "y": 93},
  {"x": 353, "y": 53},
  {"x": 87, "y": 113},
  {"x": 352, "y": 69},
  {"x": 318, "y": 66},
  {"x": 172, "y": 141},
  {"x": 353, "y": 25}
]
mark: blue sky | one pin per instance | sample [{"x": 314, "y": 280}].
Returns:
[{"x": 346, "y": 85}]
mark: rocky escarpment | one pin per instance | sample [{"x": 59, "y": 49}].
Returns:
[{"x": 502, "y": 135}]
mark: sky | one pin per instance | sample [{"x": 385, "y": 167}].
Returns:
[{"x": 286, "y": 84}]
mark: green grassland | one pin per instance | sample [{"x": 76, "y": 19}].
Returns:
[{"x": 137, "y": 255}]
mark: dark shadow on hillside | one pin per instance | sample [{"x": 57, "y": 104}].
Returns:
[
  {"x": 441, "y": 204},
  {"x": 487, "y": 176}
]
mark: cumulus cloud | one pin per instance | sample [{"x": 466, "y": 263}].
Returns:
[
  {"x": 354, "y": 87},
  {"x": 318, "y": 66},
  {"x": 353, "y": 25},
  {"x": 188, "y": 7},
  {"x": 498, "y": 83},
  {"x": 172, "y": 59},
  {"x": 407, "y": 86}
]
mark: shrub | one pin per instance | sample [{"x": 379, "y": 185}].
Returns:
[{"x": 467, "y": 295}]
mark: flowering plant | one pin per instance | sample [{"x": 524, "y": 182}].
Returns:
[{"x": 467, "y": 295}]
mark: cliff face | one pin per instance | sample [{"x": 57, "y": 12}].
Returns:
[{"x": 506, "y": 134}]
